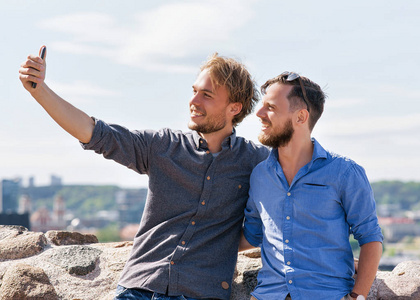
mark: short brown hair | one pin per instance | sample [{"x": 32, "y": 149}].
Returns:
[
  {"x": 235, "y": 77},
  {"x": 314, "y": 93}
]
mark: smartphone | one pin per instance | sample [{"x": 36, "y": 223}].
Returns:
[{"x": 42, "y": 56}]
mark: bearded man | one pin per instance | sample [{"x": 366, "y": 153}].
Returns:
[{"x": 305, "y": 201}]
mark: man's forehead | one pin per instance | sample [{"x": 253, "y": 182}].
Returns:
[
  {"x": 278, "y": 90},
  {"x": 204, "y": 80}
]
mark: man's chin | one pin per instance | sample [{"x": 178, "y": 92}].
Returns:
[{"x": 192, "y": 125}]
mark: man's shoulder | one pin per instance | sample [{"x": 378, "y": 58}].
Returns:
[
  {"x": 339, "y": 158},
  {"x": 344, "y": 164},
  {"x": 252, "y": 146}
]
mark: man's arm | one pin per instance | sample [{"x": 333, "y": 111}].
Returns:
[
  {"x": 370, "y": 254},
  {"x": 244, "y": 244},
  {"x": 70, "y": 118}
]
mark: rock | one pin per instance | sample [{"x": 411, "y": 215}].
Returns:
[
  {"x": 23, "y": 281},
  {"x": 17, "y": 244},
  {"x": 78, "y": 260},
  {"x": 245, "y": 279},
  {"x": 61, "y": 271},
  {"x": 253, "y": 253},
  {"x": 402, "y": 283},
  {"x": 11, "y": 231},
  {"x": 61, "y": 238}
]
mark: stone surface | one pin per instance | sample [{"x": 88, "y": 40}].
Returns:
[
  {"x": 61, "y": 238},
  {"x": 92, "y": 272},
  {"x": 78, "y": 260},
  {"x": 11, "y": 231},
  {"x": 402, "y": 283},
  {"x": 246, "y": 271},
  {"x": 20, "y": 244},
  {"x": 23, "y": 281}
]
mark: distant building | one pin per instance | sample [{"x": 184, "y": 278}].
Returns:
[
  {"x": 56, "y": 180},
  {"x": 130, "y": 206},
  {"x": 25, "y": 204},
  {"x": 43, "y": 220},
  {"x": 31, "y": 182},
  {"x": 128, "y": 232},
  {"x": 9, "y": 193},
  {"x": 15, "y": 219},
  {"x": 395, "y": 229}
]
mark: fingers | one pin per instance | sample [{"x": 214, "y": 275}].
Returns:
[
  {"x": 32, "y": 70},
  {"x": 33, "y": 63}
]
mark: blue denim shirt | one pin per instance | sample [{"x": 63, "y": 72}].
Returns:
[{"x": 303, "y": 229}]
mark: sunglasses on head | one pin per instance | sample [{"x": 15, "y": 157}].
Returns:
[{"x": 290, "y": 76}]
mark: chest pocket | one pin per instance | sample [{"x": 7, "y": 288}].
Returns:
[{"x": 319, "y": 200}]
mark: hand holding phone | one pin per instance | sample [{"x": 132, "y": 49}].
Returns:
[{"x": 42, "y": 55}]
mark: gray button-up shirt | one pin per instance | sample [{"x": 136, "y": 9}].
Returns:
[{"x": 188, "y": 238}]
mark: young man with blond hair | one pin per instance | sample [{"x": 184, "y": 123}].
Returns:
[{"x": 186, "y": 246}]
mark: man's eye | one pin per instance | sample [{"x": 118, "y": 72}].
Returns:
[{"x": 207, "y": 95}]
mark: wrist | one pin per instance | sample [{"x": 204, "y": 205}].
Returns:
[{"x": 357, "y": 296}]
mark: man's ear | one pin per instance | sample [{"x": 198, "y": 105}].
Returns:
[
  {"x": 235, "y": 108},
  {"x": 302, "y": 116}
]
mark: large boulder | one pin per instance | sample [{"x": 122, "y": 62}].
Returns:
[{"x": 63, "y": 265}]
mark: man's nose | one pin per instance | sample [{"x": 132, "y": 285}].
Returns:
[
  {"x": 260, "y": 113},
  {"x": 195, "y": 99}
]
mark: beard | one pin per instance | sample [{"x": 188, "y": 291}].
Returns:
[
  {"x": 211, "y": 125},
  {"x": 278, "y": 139}
]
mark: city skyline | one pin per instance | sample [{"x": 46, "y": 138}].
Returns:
[{"x": 134, "y": 63}]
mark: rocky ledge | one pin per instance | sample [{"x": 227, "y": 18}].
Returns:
[{"x": 70, "y": 265}]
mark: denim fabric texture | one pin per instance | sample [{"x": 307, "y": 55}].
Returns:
[
  {"x": 122, "y": 293},
  {"x": 304, "y": 228}
]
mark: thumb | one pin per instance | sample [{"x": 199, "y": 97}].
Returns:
[{"x": 43, "y": 52}]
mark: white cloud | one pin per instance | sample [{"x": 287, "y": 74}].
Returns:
[
  {"x": 175, "y": 31},
  {"x": 81, "y": 91},
  {"x": 369, "y": 125},
  {"x": 342, "y": 103}
]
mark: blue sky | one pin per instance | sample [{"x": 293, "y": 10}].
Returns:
[{"x": 133, "y": 63}]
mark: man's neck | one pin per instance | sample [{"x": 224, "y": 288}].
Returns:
[
  {"x": 295, "y": 155},
  {"x": 215, "y": 139}
]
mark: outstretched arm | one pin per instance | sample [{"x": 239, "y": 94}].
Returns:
[{"x": 70, "y": 118}]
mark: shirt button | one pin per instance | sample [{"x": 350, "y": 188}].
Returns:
[
  {"x": 183, "y": 242},
  {"x": 201, "y": 141},
  {"x": 225, "y": 285},
  {"x": 193, "y": 222},
  {"x": 290, "y": 282},
  {"x": 288, "y": 263},
  {"x": 288, "y": 194},
  {"x": 288, "y": 218},
  {"x": 208, "y": 177},
  {"x": 287, "y": 241},
  {"x": 239, "y": 186},
  {"x": 172, "y": 262},
  {"x": 203, "y": 203},
  {"x": 207, "y": 151}
]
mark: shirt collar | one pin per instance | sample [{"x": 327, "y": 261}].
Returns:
[
  {"x": 201, "y": 142},
  {"x": 319, "y": 152}
]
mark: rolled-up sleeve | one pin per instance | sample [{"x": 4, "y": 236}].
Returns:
[
  {"x": 129, "y": 148},
  {"x": 359, "y": 204},
  {"x": 253, "y": 230}
]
